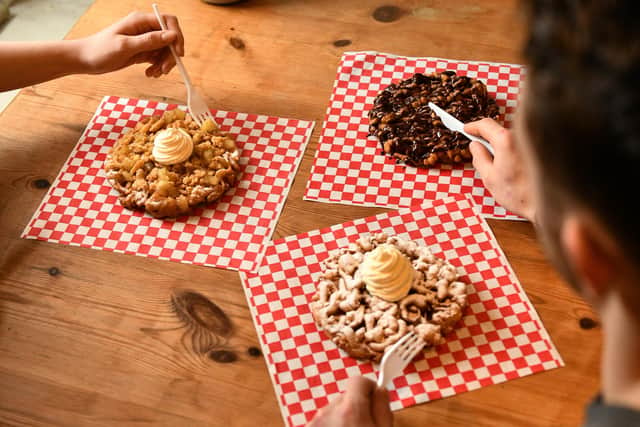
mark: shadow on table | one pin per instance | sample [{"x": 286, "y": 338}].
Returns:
[{"x": 251, "y": 4}]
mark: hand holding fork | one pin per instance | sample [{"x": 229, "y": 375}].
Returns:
[{"x": 197, "y": 106}]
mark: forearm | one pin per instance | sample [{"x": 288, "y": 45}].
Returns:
[{"x": 27, "y": 63}]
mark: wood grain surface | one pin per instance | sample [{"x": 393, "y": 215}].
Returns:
[{"x": 96, "y": 338}]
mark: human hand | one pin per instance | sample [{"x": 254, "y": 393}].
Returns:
[
  {"x": 363, "y": 404},
  {"x": 504, "y": 175},
  {"x": 134, "y": 39}
]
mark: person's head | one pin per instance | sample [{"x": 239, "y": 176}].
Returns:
[{"x": 579, "y": 128}]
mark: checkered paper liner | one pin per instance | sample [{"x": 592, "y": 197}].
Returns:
[
  {"x": 82, "y": 209},
  {"x": 349, "y": 167},
  {"x": 499, "y": 338}
]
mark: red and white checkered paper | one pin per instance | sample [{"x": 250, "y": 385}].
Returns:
[
  {"x": 349, "y": 167},
  {"x": 82, "y": 209},
  {"x": 499, "y": 338}
]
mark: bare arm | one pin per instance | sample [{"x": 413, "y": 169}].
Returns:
[
  {"x": 133, "y": 40},
  {"x": 26, "y": 63}
]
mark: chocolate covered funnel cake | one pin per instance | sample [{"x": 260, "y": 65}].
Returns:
[
  {"x": 379, "y": 288},
  {"x": 410, "y": 132},
  {"x": 168, "y": 165}
]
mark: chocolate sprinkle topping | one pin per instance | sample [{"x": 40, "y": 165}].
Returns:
[{"x": 409, "y": 131}]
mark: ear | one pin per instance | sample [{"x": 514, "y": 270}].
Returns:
[{"x": 592, "y": 254}]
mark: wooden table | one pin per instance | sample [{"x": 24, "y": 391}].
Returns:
[{"x": 89, "y": 337}]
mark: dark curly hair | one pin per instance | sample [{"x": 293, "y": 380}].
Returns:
[{"x": 582, "y": 111}]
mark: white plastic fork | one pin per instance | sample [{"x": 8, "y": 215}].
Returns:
[
  {"x": 398, "y": 357},
  {"x": 197, "y": 106}
]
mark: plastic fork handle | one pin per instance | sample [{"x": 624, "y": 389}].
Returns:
[
  {"x": 181, "y": 68},
  {"x": 382, "y": 381}
]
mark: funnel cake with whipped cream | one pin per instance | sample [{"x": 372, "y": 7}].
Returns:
[
  {"x": 168, "y": 165},
  {"x": 379, "y": 288}
]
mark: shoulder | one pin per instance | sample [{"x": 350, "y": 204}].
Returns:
[{"x": 599, "y": 414}]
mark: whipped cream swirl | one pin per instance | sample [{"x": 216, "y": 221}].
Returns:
[
  {"x": 387, "y": 273},
  {"x": 172, "y": 145}
]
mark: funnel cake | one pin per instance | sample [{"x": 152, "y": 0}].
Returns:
[
  {"x": 413, "y": 134},
  {"x": 364, "y": 325},
  {"x": 172, "y": 190}
]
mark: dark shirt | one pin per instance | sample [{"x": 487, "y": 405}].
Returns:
[{"x": 599, "y": 414}]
